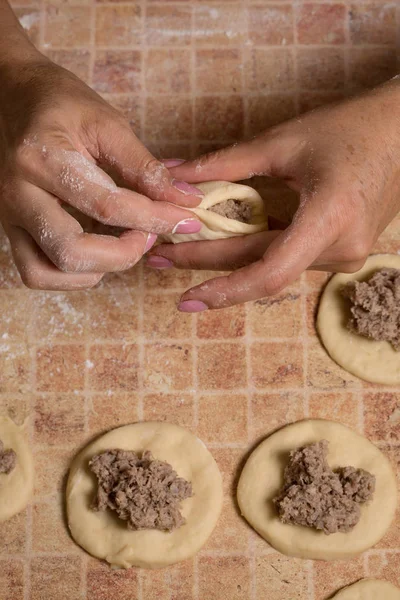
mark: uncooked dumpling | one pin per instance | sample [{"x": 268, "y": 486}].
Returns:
[
  {"x": 105, "y": 536},
  {"x": 216, "y": 226},
  {"x": 369, "y": 589}
]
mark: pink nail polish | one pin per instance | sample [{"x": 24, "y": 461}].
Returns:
[
  {"x": 151, "y": 240},
  {"x": 159, "y": 262},
  {"x": 172, "y": 162},
  {"x": 186, "y": 188},
  {"x": 187, "y": 226},
  {"x": 192, "y": 306}
]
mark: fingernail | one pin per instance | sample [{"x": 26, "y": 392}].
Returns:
[
  {"x": 172, "y": 162},
  {"x": 151, "y": 240},
  {"x": 192, "y": 306},
  {"x": 159, "y": 262},
  {"x": 186, "y": 188},
  {"x": 187, "y": 226}
]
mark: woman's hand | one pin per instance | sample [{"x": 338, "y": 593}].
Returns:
[
  {"x": 344, "y": 160},
  {"x": 54, "y": 132}
]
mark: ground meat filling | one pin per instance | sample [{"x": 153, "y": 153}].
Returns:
[
  {"x": 8, "y": 460},
  {"x": 315, "y": 496},
  {"x": 375, "y": 306},
  {"x": 144, "y": 491},
  {"x": 233, "y": 209}
]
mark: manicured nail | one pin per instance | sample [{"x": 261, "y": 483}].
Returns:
[
  {"x": 187, "y": 226},
  {"x": 186, "y": 188},
  {"x": 172, "y": 162},
  {"x": 151, "y": 240},
  {"x": 159, "y": 262},
  {"x": 192, "y": 306}
]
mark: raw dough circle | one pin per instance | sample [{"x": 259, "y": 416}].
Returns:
[
  {"x": 369, "y": 589},
  {"x": 262, "y": 478},
  {"x": 16, "y": 488},
  {"x": 105, "y": 536},
  {"x": 216, "y": 227},
  {"x": 368, "y": 359}
]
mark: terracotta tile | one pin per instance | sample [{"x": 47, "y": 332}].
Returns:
[
  {"x": 370, "y": 67},
  {"x": 115, "y": 367},
  {"x": 113, "y": 315},
  {"x": 271, "y": 411},
  {"x": 222, "y": 366},
  {"x": 230, "y": 462},
  {"x": 117, "y": 71},
  {"x": 284, "y": 309},
  {"x": 270, "y": 70},
  {"x": 122, "y": 279},
  {"x": 12, "y": 538},
  {"x": 59, "y": 420},
  {"x": 131, "y": 107},
  {"x": 227, "y": 323},
  {"x": 67, "y": 26},
  {"x": 76, "y": 61},
  {"x": 321, "y": 23},
  {"x": 56, "y": 577},
  {"x": 219, "y": 118},
  {"x": 175, "y": 149},
  {"x": 384, "y": 566},
  {"x": 280, "y": 577},
  {"x": 213, "y": 424},
  {"x": 104, "y": 583},
  {"x": 316, "y": 280},
  {"x": 324, "y": 373},
  {"x": 265, "y": 112},
  {"x": 343, "y": 408},
  {"x": 277, "y": 364},
  {"x": 155, "y": 279},
  {"x": 312, "y": 100},
  {"x": 392, "y": 537},
  {"x": 168, "y": 118},
  {"x": 15, "y": 315},
  {"x": 29, "y": 18},
  {"x": 372, "y": 23},
  {"x": 59, "y": 316},
  {"x": 333, "y": 575},
  {"x": 199, "y": 277},
  {"x": 161, "y": 319},
  {"x": 165, "y": 584},
  {"x": 51, "y": 467},
  {"x": 231, "y": 533},
  {"x": 271, "y": 24},
  {"x": 60, "y": 368},
  {"x": 167, "y": 24},
  {"x": 49, "y": 532},
  {"x": 312, "y": 304},
  {"x": 174, "y": 408},
  {"x": 321, "y": 68},
  {"x": 110, "y": 410},
  {"x": 382, "y": 416},
  {"x": 218, "y": 25},
  {"x": 218, "y": 70},
  {"x": 119, "y": 25},
  {"x": 168, "y": 70},
  {"x": 15, "y": 368},
  {"x": 224, "y": 577},
  {"x": 12, "y": 579},
  {"x": 168, "y": 367}
]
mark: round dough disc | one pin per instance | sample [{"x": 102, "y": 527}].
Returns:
[
  {"x": 105, "y": 536},
  {"x": 368, "y": 359},
  {"x": 369, "y": 589},
  {"x": 16, "y": 488},
  {"x": 262, "y": 478},
  {"x": 216, "y": 227}
]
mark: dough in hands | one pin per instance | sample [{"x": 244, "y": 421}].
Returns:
[
  {"x": 262, "y": 478},
  {"x": 369, "y": 589},
  {"x": 368, "y": 359},
  {"x": 16, "y": 488},
  {"x": 216, "y": 227},
  {"x": 105, "y": 536}
]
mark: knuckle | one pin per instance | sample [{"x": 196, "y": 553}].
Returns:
[
  {"x": 65, "y": 258},
  {"x": 273, "y": 284},
  {"x": 104, "y": 209},
  {"x": 358, "y": 251},
  {"x": 30, "y": 278}
]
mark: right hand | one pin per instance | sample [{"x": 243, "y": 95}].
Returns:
[{"x": 54, "y": 131}]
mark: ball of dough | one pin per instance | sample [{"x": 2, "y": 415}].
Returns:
[
  {"x": 215, "y": 226},
  {"x": 262, "y": 478},
  {"x": 369, "y": 589},
  {"x": 105, "y": 536},
  {"x": 16, "y": 488},
  {"x": 368, "y": 359}
]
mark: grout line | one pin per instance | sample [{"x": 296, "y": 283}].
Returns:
[
  {"x": 92, "y": 43},
  {"x": 295, "y": 59},
  {"x": 143, "y": 63}
]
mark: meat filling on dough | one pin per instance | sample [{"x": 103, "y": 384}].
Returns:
[
  {"x": 233, "y": 209},
  {"x": 375, "y": 306},
  {"x": 8, "y": 459},
  {"x": 315, "y": 496},
  {"x": 143, "y": 491}
]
